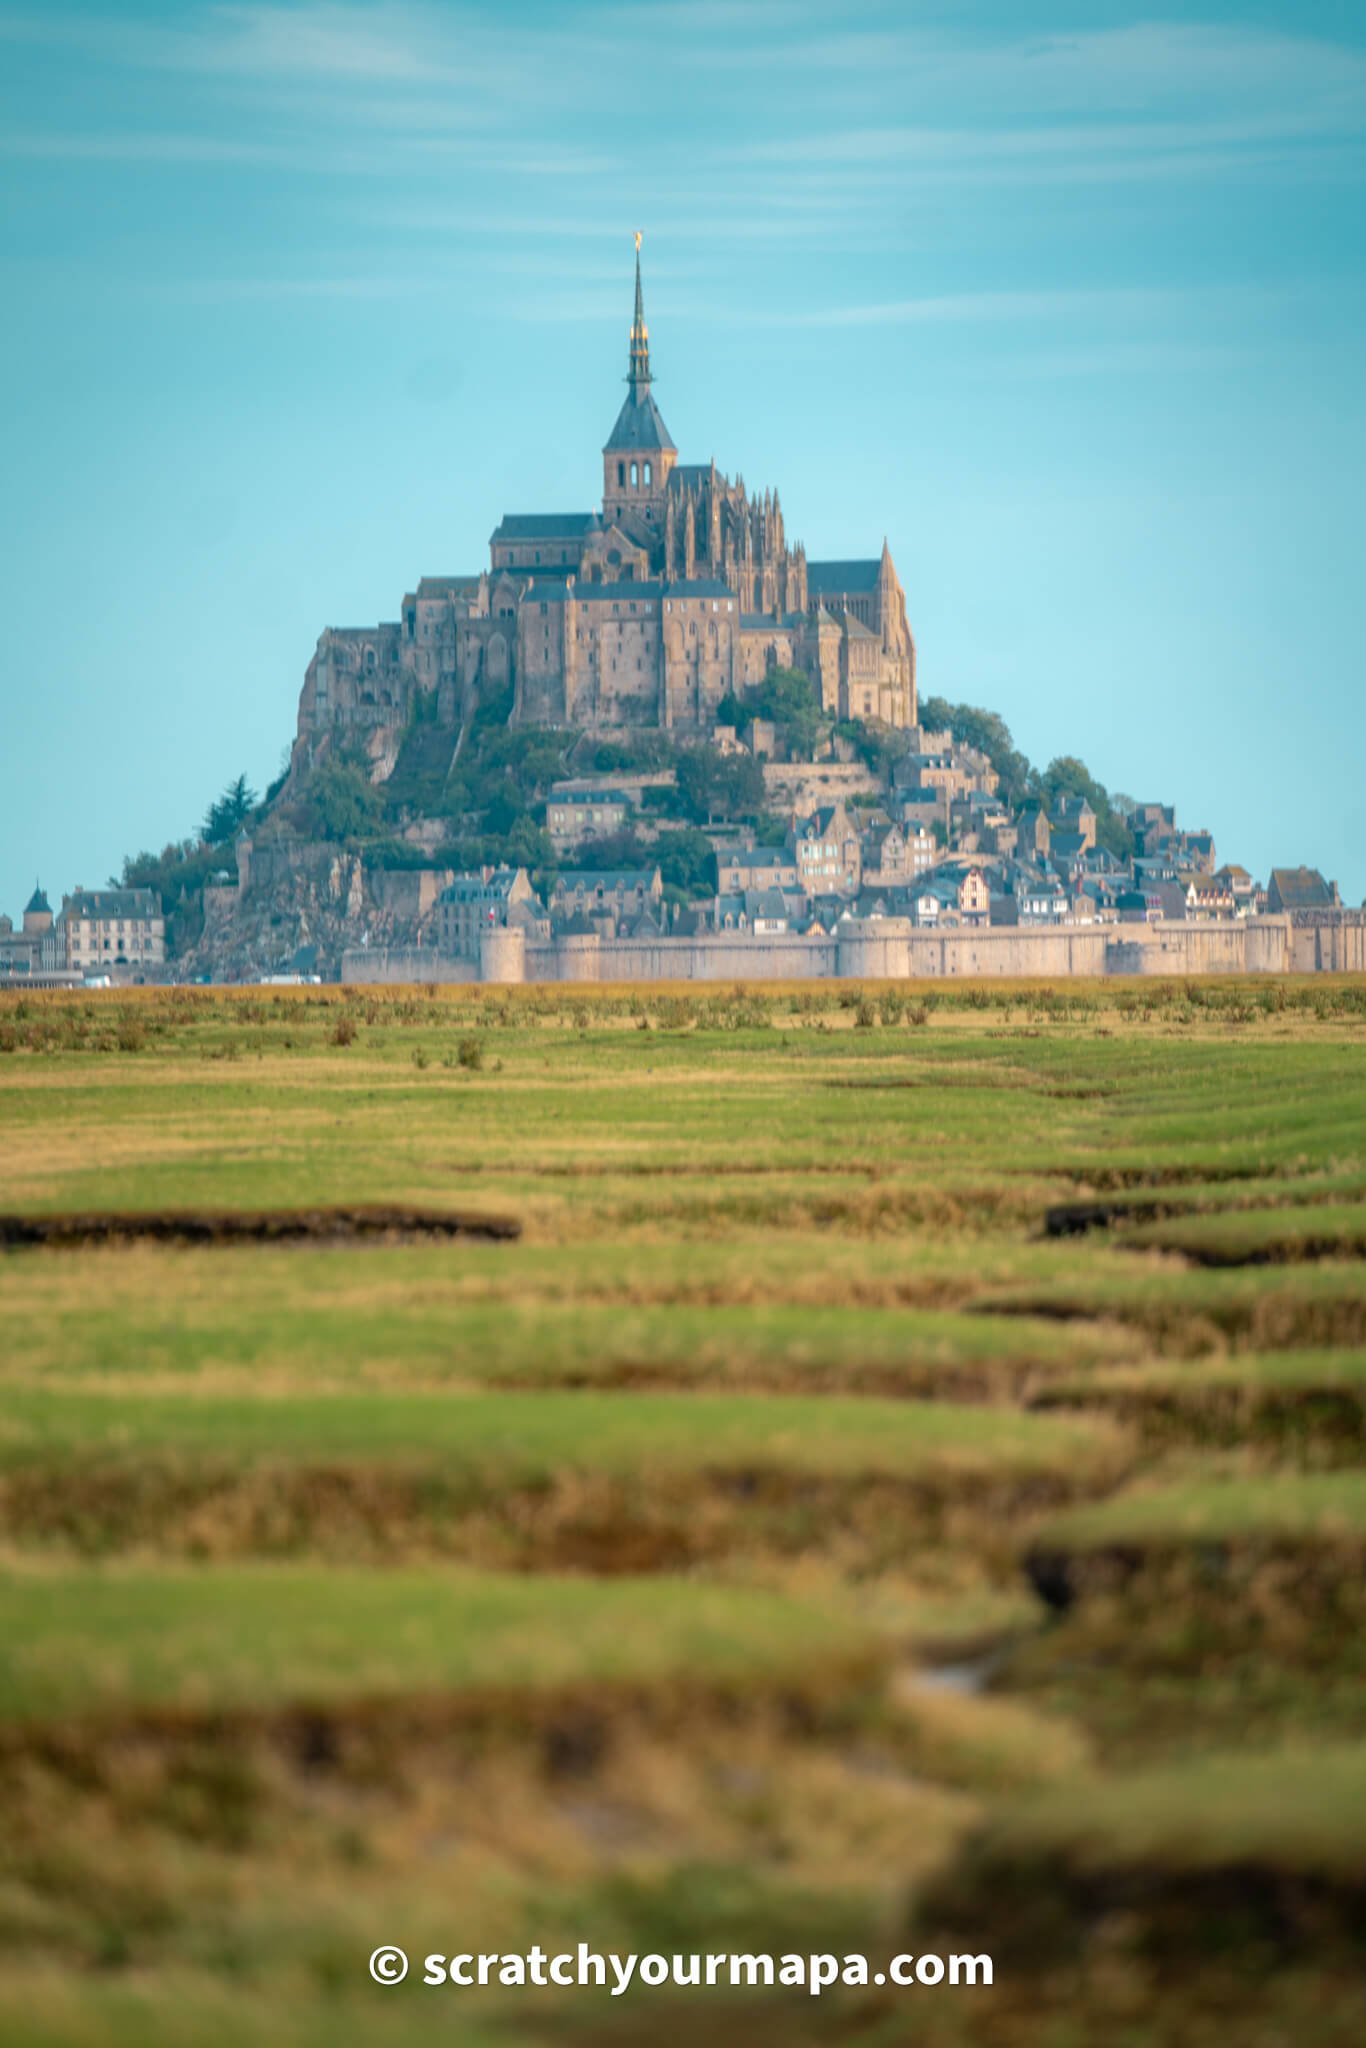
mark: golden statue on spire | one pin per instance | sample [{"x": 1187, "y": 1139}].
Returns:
[{"x": 637, "y": 241}]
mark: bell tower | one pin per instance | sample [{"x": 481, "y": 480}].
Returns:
[{"x": 639, "y": 454}]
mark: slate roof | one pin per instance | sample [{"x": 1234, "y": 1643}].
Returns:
[
  {"x": 574, "y": 879},
  {"x": 589, "y": 796},
  {"x": 639, "y": 425},
  {"x": 446, "y": 586},
  {"x": 840, "y": 578},
  {"x": 545, "y": 526},
  {"x": 478, "y": 889},
  {"x": 37, "y": 901},
  {"x": 1298, "y": 889},
  {"x": 758, "y": 857},
  {"x": 772, "y": 904},
  {"x": 123, "y": 903},
  {"x": 616, "y": 593}
]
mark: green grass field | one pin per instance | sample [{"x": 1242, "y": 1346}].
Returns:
[{"x": 783, "y": 1541}]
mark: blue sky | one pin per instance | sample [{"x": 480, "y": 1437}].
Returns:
[{"x": 1067, "y": 301}]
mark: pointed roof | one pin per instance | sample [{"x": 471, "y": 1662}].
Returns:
[
  {"x": 639, "y": 423},
  {"x": 37, "y": 902}
]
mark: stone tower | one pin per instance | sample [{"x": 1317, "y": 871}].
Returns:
[
  {"x": 37, "y": 914},
  {"x": 639, "y": 453}
]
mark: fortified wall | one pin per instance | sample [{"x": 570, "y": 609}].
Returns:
[{"x": 891, "y": 949}]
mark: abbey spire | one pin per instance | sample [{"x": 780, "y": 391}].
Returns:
[
  {"x": 638, "y": 373},
  {"x": 639, "y": 453}
]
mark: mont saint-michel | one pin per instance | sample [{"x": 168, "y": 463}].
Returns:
[
  {"x": 651, "y": 740},
  {"x": 651, "y": 610}
]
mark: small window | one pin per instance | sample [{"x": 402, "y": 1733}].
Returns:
[
  {"x": 647, "y": 476},
  {"x": 635, "y": 476},
  {"x": 621, "y": 473}
]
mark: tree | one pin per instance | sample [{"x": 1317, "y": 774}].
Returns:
[
  {"x": 686, "y": 861},
  {"x": 1067, "y": 776},
  {"x": 989, "y": 733},
  {"x": 788, "y": 699},
  {"x": 227, "y": 814},
  {"x": 712, "y": 785},
  {"x": 345, "y": 805}
]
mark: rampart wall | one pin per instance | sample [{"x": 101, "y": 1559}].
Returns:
[{"x": 891, "y": 949}]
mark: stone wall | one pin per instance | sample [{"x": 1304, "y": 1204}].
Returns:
[
  {"x": 805, "y": 786},
  {"x": 891, "y": 949},
  {"x": 1328, "y": 941},
  {"x": 397, "y": 965},
  {"x": 407, "y": 892}
]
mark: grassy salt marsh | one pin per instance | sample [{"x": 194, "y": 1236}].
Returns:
[{"x": 596, "y": 1581}]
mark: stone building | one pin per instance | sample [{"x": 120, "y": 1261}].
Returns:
[
  {"x": 622, "y": 896},
  {"x": 827, "y": 852},
  {"x": 37, "y": 946},
  {"x": 677, "y": 592},
  {"x": 104, "y": 928},
  {"x": 494, "y": 899},
  {"x": 589, "y": 812},
  {"x": 1301, "y": 889}
]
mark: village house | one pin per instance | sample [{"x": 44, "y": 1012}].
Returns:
[
  {"x": 896, "y": 854},
  {"x": 619, "y": 896},
  {"x": 826, "y": 849},
  {"x": 592, "y": 812},
  {"x": 38, "y": 946},
  {"x": 1074, "y": 814},
  {"x": 974, "y": 898},
  {"x": 1240, "y": 886},
  {"x": 755, "y": 867},
  {"x": 493, "y": 898},
  {"x": 104, "y": 928},
  {"x": 1300, "y": 889},
  {"x": 1207, "y": 896}
]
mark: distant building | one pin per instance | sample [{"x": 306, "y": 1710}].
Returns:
[
  {"x": 493, "y": 898},
  {"x": 104, "y": 928},
  {"x": 827, "y": 852},
  {"x": 620, "y": 895},
  {"x": 574, "y": 815},
  {"x": 755, "y": 867},
  {"x": 1301, "y": 889},
  {"x": 37, "y": 947},
  {"x": 974, "y": 898},
  {"x": 652, "y": 609},
  {"x": 1074, "y": 814}
]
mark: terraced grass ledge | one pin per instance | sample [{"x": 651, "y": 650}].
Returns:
[
  {"x": 1272, "y": 1558},
  {"x": 1260, "y": 1237},
  {"x": 612, "y": 1481},
  {"x": 338, "y": 1223},
  {"x": 167, "y": 1648},
  {"x": 1236, "y": 1862},
  {"x": 1295, "y": 1405}
]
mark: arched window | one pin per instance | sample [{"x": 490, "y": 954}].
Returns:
[
  {"x": 647, "y": 476},
  {"x": 635, "y": 475},
  {"x": 621, "y": 473}
]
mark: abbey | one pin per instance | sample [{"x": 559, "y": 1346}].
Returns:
[{"x": 678, "y": 592}]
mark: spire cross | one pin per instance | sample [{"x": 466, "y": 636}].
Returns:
[{"x": 638, "y": 373}]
